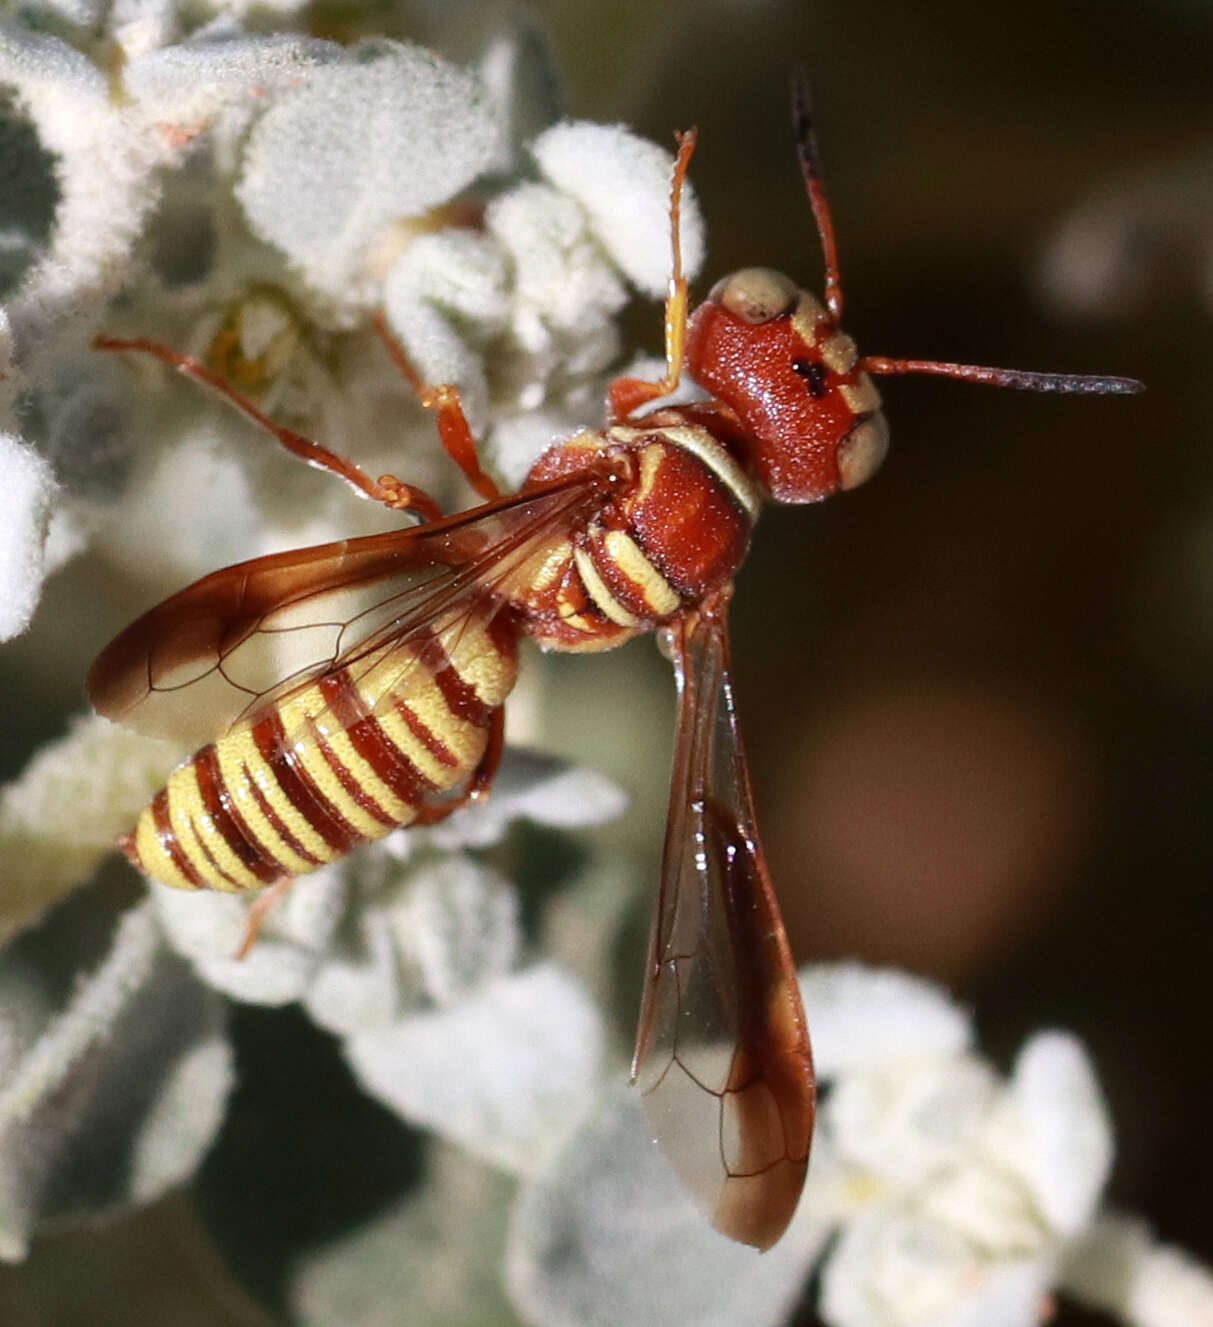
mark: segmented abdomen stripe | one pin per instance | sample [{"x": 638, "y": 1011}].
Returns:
[
  {"x": 162, "y": 834},
  {"x": 345, "y": 760},
  {"x": 388, "y": 778},
  {"x": 460, "y": 694},
  {"x": 219, "y": 805},
  {"x": 277, "y": 826},
  {"x": 284, "y": 759}
]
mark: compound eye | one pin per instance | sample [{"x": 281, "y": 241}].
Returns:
[
  {"x": 756, "y": 294},
  {"x": 862, "y": 450}
]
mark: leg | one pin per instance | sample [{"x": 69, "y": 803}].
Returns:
[
  {"x": 387, "y": 489},
  {"x": 453, "y": 427},
  {"x": 810, "y": 169},
  {"x": 627, "y": 394},
  {"x": 259, "y": 911}
]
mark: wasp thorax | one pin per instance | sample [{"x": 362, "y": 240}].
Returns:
[{"x": 756, "y": 294}]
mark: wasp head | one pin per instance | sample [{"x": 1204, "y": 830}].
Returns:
[{"x": 773, "y": 354}]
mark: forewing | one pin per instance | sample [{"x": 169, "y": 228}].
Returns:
[
  {"x": 247, "y": 636},
  {"x": 722, "y": 1053}
]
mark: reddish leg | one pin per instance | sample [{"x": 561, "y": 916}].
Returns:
[
  {"x": 259, "y": 911},
  {"x": 389, "y": 490},
  {"x": 453, "y": 427},
  {"x": 627, "y": 394}
]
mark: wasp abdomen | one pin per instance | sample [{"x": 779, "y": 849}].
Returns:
[{"x": 345, "y": 760}]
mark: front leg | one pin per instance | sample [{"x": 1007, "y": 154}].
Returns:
[{"x": 389, "y": 490}]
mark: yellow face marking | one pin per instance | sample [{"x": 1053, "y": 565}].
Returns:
[
  {"x": 838, "y": 353},
  {"x": 232, "y": 754},
  {"x": 862, "y": 450},
  {"x": 598, "y": 592},
  {"x": 860, "y": 396},
  {"x": 153, "y": 858},
  {"x": 806, "y": 318},
  {"x": 627, "y": 556}
]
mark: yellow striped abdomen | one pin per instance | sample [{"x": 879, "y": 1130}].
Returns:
[{"x": 369, "y": 747}]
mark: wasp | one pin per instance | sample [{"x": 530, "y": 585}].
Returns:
[{"x": 358, "y": 686}]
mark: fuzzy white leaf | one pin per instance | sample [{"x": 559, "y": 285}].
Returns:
[
  {"x": 623, "y": 183},
  {"x": 504, "y": 1073},
  {"x": 538, "y": 787},
  {"x": 95, "y": 1007},
  {"x": 1052, "y": 1129},
  {"x": 194, "y": 80},
  {"x": 107, "y": 180},
  {"x": 908, "y": 1122},
  {"x": 388, "y": 132},
  {"x": 865, "y": 1018},
  {"x": 519, "y": 439},
  {"x": 458, "y": 923},
  {"x": 989, "y": 1206},
  {"x": 116, "y": 1095},
  {"x": 441, "y": 354},
  {"x": 893, "y": 1267},
  {"x": 81, "y": 401},
  {"x": 66, "y": 810},
  {"x": 606, "y": 1234},
  {"x": 1118, "y": 1268},
  {"x": 183, "y": 1119},
  {"x": 461, "y": 272},
  {"x": 360, "y": 987},
  {"x": 561, "y": 280},
  {"x": 520, "y": 73},
  {"x": 139, "y": 26},
  {"x": 433, "y": 1258},
  {"x": 27, "y": 489},
  {"x": 208, "y": 929},
  {"x": 440, "y": 278}
]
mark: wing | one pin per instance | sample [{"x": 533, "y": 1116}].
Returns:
[
  {"x": 247, "y": 636},
  {"x": 722, "y": 1053}
]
